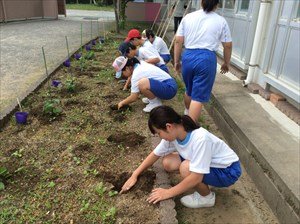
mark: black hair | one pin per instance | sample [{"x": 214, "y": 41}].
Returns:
[
  {"x": 209, "y": 5},
  {"x": 149, "y": 33},
  {"x": 131, "y": 62},
  {"x": 129, "y": 47},
  {"x": 161, "y": 115}
]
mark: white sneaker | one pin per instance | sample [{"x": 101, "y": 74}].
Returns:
[
  {"x": 186, "y": 111},
  {"x": 145, "y": 100},
  {"x": 197, "y": 201},
  {"x": 152, "y": 104}
]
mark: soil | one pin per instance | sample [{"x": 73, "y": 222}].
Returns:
[{"x": 58, "y": 162}]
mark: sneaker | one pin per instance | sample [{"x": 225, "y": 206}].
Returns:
[
  {"x": 197, "y": 201},
  {"x": 145, "y": 100},
  {"x": 152, "y": 104},
  {"x": 186, "y": 111}
]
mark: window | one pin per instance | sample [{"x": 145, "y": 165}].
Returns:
[
  {"x": 229, "y": 4},
  {"x": 244, "y": 5}
]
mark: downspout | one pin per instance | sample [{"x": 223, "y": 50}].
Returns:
[{"x": 257, "y": 42}]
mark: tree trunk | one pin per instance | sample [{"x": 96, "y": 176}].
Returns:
[
  {"x": 116, "y": 3},
  {"x": 77, "y": 2}
]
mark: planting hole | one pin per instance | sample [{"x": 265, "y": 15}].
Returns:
[{"x": 127, "y": 139}]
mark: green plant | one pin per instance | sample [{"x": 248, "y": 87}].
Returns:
[
  {"x": 112, "y": 193},
  {"x": 82, "y": 63},
  {"x": 100, "y": 189},
  {"x": 51, "y": 107},
  {"x": 4, "y": 175},
  {"x": 70, "y": 84},
  {"x": 109, "y": 215},
  {"x": 18, "y": 153},
  {"x": 90, "y": 55}
]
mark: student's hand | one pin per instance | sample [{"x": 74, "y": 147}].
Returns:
[
  {"x": 177, "y": 66},
  {"x": 224, "y": 68},
  {"x": 128, "y": 184},
  {"x": 158, "y": 194},
  {"x": 120, "y": 105}
]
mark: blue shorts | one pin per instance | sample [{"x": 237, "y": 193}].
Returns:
[
  {"x": 163, "y": 67},
  {"x": 163, "y": 89},
  {"x": 199, "y": 67},
  {"x": 166, "y": 57},
  {"x": 223, "y": 177}
]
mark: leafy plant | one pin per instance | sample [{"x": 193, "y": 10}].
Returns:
[
  {"x": 90, "y": 55},
  {"x": 18, "y": 153},
  {"x": 70, "y": 84},
  {"x": 4, "y": 175},
  {"x": 51, "y": 107},
  {"x": 100, "y": 189},
  {"x": 109, "y": 215},
  {"x": 112, "y": 193}
]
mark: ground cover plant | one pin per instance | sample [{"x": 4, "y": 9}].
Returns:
[{"x": 67, "y": 164}]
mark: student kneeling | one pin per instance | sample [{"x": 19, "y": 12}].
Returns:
[{"x": 151, "y": 81}]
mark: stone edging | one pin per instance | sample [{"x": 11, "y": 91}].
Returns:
[{"x": 167, "y": 212}]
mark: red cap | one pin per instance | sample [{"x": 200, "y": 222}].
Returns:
[{"x": 134, "y": 33}]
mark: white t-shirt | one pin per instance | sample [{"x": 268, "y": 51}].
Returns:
[
  {"x": 146, "y": 70},
  {"x": 160, "y": 45},
  {"x": 148, "y": 51},
  {"x": 203, "y": 30},
  {"x": 202, "y": 149}
]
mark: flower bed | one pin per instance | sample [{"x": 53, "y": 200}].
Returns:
[{"x": 73, "y": 155}]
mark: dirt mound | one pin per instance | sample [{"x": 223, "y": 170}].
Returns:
[{"x": 127, "y": 139}]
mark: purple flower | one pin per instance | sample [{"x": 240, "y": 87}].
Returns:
[
  {"x": 77, "y": 56},
  {"x": 55, "y": 83},
  {"x": 93, "y": 42},
  {"x": 67, "y": 63},
  {"x": 87, "y": 47}
]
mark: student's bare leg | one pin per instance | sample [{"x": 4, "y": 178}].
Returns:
[
  {"x": 144, "y": 86},
  {"x": 187, "y": 101},
  {"x": 201, "y": 188},
  {"x": 195, "y": 110},
  {"x": 171, "y": 162}
]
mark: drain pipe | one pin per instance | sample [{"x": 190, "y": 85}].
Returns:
[{"x": 263, "y": 9}]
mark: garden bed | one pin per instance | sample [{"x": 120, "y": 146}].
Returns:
[{"x": 66, "y": 166}]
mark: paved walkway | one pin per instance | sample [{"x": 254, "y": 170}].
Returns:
[{"x": 22, "y": 65}]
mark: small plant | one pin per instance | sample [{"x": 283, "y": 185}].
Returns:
[
  {"x": 100, "y": 189},
  {"x": 4, "y": 175},
  {"x": 89, "y": 55},
  {"x": 109, "y": 215},
  {"x": 18, "y": 153},
  {"x": 51, "y": 107},
  {"x": 51, "y": 184},
  {"x": 82, "y": 63},
  {"x": 77, "y": 56},
  {"x": 88, "y": 47},
  {"x": 112, "y": 193},
  {"x": 70, "y": 84}
]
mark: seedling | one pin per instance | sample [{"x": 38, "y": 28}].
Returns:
[
  {"x": 18, "y": 153},
  {"x": 51, "y": 107},
  {"x": 70, "y": 84},
  {"x": 100, "y": 189},
  {"x": 89, "y": 55},
  {"x": 112, "y": 193},
  {"x": 51, "y": 184},
  {"x": 4, "y": 175}
]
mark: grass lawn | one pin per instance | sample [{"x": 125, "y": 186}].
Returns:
[{"x": 90, "y": 7}]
